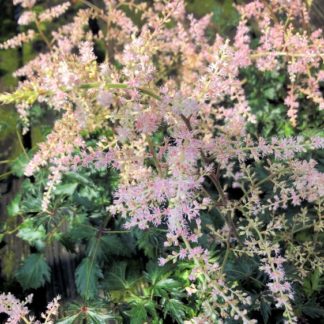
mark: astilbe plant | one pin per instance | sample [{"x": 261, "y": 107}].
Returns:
[
  {"x": 165, "y": 76},
  {"x": 18, "y": 311}
]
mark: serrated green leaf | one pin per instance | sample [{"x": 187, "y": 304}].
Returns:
[
  {"x": 149, "y": 241},
  {"x": 31, "y": 204},
  {"x": 315, "y": 279},
  {"x": 312, "y": 310},
  {"x": 34, "y": 272},
  {"x": 79, "y": 178},
  {"x": 160, "y": 282},
  {"x": 106, "y": 245},
  {"x": 270, "y": 93},
  {"x": 66, "y": 189},
  {"x": 86, "y": 278},
  {"x": 118, "y": 279},
  {"x": 176, "y": 309},
  {"x": 68, "y": 320},
  {"x": 35, "y": 236},
  {"x": 81, "y": 232},
  {"x": 138, "y": 314},
  {"x": 241, "y": 269},
  {"x": 168, "y": 284},
  {"x": 19, "y": 164},
  {"x": 93, "y": 317},
  {"x": 13, "y": 208},
  {"x": 265, "y": 309}
]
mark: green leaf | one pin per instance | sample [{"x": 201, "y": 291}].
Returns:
[
  {"x": 265, "y": 308},
  {"x": 118, "y": 279},
  {"x": 154, "y": 272},
  {"x": 34, "y": 272},
  {"x": 19, "y": 164},
  {"x": 176, "y": 309},
  {"x": 35, "y": 236},
  {"x": 13, "y": 208},
  {"x": 270, "y": 93},
  {"x": 87, "y": 275},
  {"x": 107, "y": 245},
  {"x": 32, "y": 204},
  {"x": 116, "y": 86},
  {"x": 138, "y": 314},
  {"x": 149, "y": 241},
  {"x": 288, "y": 129},
  {"x": 167, "y": 285},
  {"x": 240, "y": 269},
  {"x": 66, "y": 189},
  {"x": 79, "y": 178},
  {"x": 93, "y": 317},
  {"x": 68, "y": 320},
  {"x": 80, "y": 232},
  {"x": 161, "y": 284},
  {"x": 315, "y": 279},
  {"x": 312, "y": 310},
  {"x": 313, "y": 283}
]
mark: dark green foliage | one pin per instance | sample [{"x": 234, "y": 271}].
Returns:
[
  {"x": 312, "y": 309},
  {"x": 147, "y": 293},
  {"x": 265, "y": 308},
  {"x": 18, "y": 165},
  {"x": 86, "y": 278},
  {"x": 32, "y": 233},
  {"x": 34, "y": 272},
  {"x": 118, "y": 278},
  {"x": 13, "y": 208},
  {"x": 176, "y": 309},
  {"x": 138, "y": 313},
  {"x": 149, "y": 241},
  {"x": 93, "y": 313},
  {"x": 313, "y": 283}
]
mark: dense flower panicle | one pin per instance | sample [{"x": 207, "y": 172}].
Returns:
[
  {"x": 105, "y": 98},
  {"x": 308, "y": 181},
  {"x": 18, "y": 40},
  {"x": 18, "y": 311},
  {"x": 30, "y": 69},
  {"x": 23, "y": 111},
  {"x": 284, "y": 44},
  {"x": 52, "y": 310},
  {"x": 75, "y": 31},
  {"x": 54, "y": 12},
  {"x": 25, "y": 3},
  {"x": 126, "y": 25},
  {"x": 242, "y": 44},
  {"x": 292, "y": 103},
  {"x": 26, "y": 18},
  {"x": 86, "y": 52},
  {"x": 13, "y": 307}
]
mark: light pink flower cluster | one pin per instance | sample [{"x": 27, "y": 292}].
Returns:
[
  {"x": 282, "y": 44},
  {"x": 278, "y": 285},
  {"x": 18, "y": 312},
  {"x": 25, "y": 3},
  {"x": 13, "y": 307},
  {"x": 18, "y": 40},
  {"x": 54, "y": 12},
  {"x": 26, "y": 18}
]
